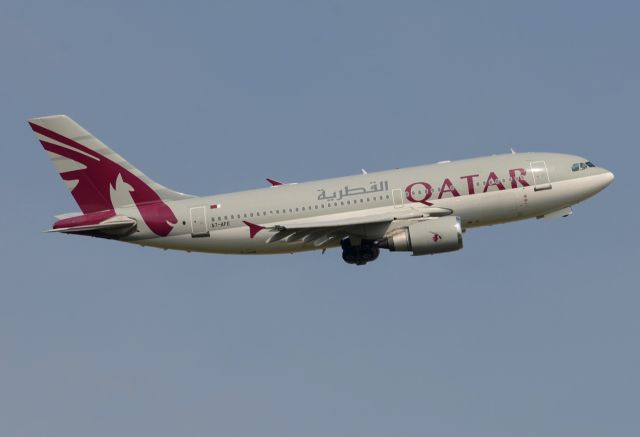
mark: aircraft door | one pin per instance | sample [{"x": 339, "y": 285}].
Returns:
[
  {"x": 540, "y": 175},
  {"x": 396, "y": 193},
  {"x": 198, "y": 222}
]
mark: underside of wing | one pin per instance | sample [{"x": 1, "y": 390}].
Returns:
[{"x": 325, "y": 231}]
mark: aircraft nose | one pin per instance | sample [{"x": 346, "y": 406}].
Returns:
[
  {"x": 609, "y": 177},
  {"x": 605, "y": 177}
]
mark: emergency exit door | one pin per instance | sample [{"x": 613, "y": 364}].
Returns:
[
  {"x": 396, "y": 193},
  {"x": 198, "y": 222},
  {"x": 540, "y": 175}
]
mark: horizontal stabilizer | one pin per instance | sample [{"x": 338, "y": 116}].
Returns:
[
  {"x": 274, "y": 183},
  {"x": 114, "y": 225},
  {"x": 67, "y": 215}
]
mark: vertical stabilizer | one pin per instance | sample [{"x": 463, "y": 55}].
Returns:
[{"x": 99, "y": 179}]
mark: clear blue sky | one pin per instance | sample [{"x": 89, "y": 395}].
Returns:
[{"x": 531, "y": 330}]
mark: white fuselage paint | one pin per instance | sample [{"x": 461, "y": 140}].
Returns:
[{"x": 226, "y": 232}]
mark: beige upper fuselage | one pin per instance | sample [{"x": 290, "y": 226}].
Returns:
[{"x": 481, "y": 191}]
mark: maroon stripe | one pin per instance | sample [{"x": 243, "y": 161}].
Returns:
[
  {"x": 253, "y": 228},
  {"x": 61, "y": 138},
  {"x": 274, "y": 182}
]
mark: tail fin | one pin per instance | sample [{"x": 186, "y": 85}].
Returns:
[
  {"x": 99, "y": 178},
  {"x": 91, "y": 170}
]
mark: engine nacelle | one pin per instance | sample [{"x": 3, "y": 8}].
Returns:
[{"x": 438, "y": 235}]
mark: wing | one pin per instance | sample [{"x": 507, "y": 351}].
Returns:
[{"x": 322, "y": 231}]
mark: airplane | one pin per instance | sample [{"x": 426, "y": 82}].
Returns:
[{"x": 423, "y": 210}]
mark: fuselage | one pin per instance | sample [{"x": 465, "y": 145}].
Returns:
[
  {"x": 481, "y": 191},
  {"x": 423, "y": 210}
]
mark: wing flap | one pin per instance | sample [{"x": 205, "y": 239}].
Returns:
[{"x": 350, "y": 219}]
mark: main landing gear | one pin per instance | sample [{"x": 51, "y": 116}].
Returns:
[{"x": 359, "y": 254}]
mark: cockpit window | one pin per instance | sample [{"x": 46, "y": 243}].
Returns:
[{"x": 581, "y": 166}]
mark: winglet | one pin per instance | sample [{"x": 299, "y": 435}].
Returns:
[
  {"x": 274, "y": 183},
  {"x": 253, "y": 228}
]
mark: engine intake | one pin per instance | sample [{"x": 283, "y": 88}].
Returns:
[{"x": 426, "y": 237}]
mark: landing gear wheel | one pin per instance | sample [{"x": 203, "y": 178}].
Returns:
[{"x": 360, "y": 255}]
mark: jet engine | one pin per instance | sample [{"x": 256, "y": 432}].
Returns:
[{"x": 427, "y": 237}]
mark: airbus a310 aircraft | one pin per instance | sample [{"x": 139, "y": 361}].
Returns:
[{"x": 423, "y": 210}]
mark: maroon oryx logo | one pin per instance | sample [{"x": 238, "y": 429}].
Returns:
[
  {"x": 436, "y": 237},
  {"x": 98, "y": 174}
]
